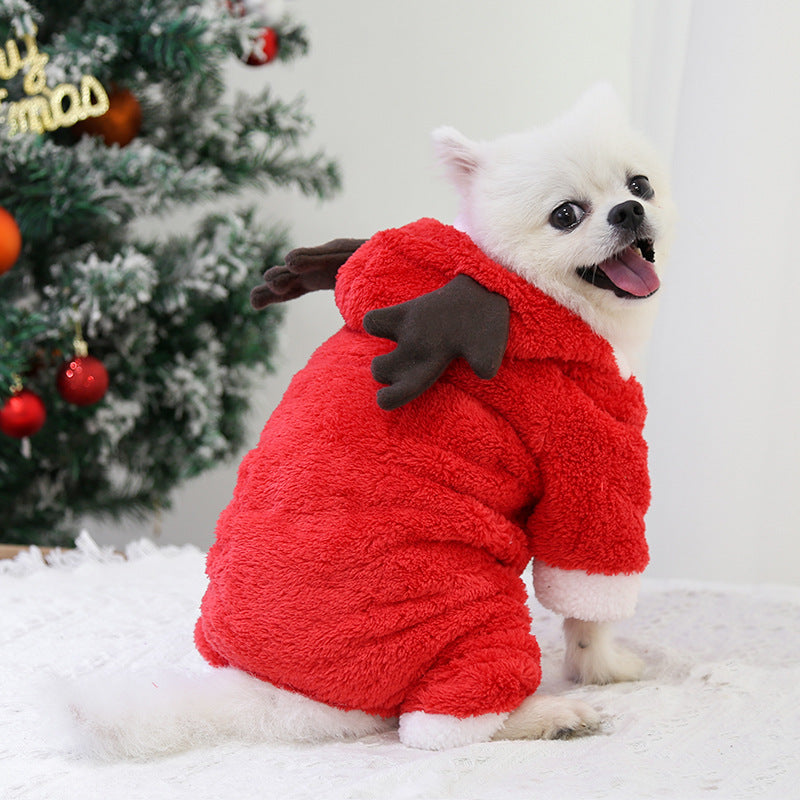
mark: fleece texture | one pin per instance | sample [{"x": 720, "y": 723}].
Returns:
[{"x": 371, "y": 559}]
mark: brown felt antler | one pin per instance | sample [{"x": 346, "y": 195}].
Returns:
[
  {"x": 462, "y": 319},
  {"x": 306, "y": 269}
]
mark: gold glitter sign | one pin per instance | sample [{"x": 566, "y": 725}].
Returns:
[{"x": 44, "y": 109}]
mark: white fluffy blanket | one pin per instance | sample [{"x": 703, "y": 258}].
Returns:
[{"x": 717, "y": 714}]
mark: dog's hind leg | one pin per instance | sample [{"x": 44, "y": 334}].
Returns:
[
  {"x": 593, "y": 657},
  {"x": 537, "y": 717}
]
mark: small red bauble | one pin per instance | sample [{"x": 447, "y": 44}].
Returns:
[
  {"x": 82, "y": 380},
  {"x": 10, "y": 241},
  {"x": 265, "y": 48},
  {"x": 23, "y": 414}
]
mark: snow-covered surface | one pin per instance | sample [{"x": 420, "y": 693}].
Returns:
[{"x": 717, "y": 714}]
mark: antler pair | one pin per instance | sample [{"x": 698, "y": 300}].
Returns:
[{"x": 461, "y": 319}]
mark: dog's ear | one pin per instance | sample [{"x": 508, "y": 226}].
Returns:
[{"x": 459, "y": 155}]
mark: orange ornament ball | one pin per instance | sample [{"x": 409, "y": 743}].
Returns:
[
  {"x": 10, "y": 241},
  {"x": 120, "y": 124}
]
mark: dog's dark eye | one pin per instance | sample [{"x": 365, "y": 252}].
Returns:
[
  {"x": 567, "y": 216},
  {"x": 640, "y": 186}
]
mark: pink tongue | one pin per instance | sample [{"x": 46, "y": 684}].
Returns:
[{"x": 631, "y": 273}]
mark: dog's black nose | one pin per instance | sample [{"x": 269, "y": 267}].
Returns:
[{"x": 628, "y": 215}]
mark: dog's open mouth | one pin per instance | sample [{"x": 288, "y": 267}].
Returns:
[{"x": 629, "y": 273}]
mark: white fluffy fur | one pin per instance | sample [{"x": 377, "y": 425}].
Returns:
[
  {"x": 137, "y": 717},
  {"x": 508, "y": 188},
  {"x": 593, "y": 657}
]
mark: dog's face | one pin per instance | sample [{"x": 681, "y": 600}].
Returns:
[{"x": 579, "y": 208}]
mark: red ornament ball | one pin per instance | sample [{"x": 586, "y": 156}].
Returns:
[
  {"x": 10, "y": 241},
  {"x": 82, "y": 380},
  {"x": 23, "y": 414},
  {"x": 265, "y": 48}
]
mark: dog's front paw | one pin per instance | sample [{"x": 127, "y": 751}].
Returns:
[
  {"x": 615, "y": 666},
  {"x": 545, "y": 717},
  {"x": 593, "y": 657}
]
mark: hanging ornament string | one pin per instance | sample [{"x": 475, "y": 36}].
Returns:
[{"x": 81, "y": 380}]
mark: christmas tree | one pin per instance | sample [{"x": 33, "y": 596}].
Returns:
[{"x": 113, "y": 115}]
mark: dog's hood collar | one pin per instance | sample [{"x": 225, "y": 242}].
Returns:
[{"x": 399, "y": 264}]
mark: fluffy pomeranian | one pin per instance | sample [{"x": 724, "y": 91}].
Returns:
[{"x": 367, "y": 573}]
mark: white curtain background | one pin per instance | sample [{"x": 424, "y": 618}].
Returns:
[
  {"x": 723, "y": 381},
  {"x": 715, "y": 84}
]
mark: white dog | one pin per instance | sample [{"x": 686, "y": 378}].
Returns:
[
  {"x": 573, "y": 208},
  {"x": 581, "y": 210}
]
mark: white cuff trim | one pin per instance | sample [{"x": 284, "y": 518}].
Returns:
[
  {"x": 441, "y": 732},
  {"x": 575, "y": 593}
]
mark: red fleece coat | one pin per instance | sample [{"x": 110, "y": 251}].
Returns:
[{"x": 371, "y": 559}]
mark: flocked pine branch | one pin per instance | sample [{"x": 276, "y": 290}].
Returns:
[
  {"x": 169, "y": 316},
  {"x": 57, "y": 193}
]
